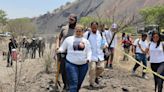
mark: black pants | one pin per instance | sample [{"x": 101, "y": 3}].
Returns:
[
  {"x": 33, "y": 52},
  {"x": 41, "y": 52},
  {"x": 159, "y": 68},
  {"x": 63, "y": 71},
  {"x": 9, "y": 59}
]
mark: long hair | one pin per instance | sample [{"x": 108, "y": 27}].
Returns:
[
  {"x": 123, "y": 35},
  {"x": 159, "y": 41},
  {"x": 128, "y": 37}
]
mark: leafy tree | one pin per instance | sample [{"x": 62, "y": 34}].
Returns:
[
  {"x": 3, "y": 19},
  {"x": 153, "y": 15},
  {"x": 87, "y": 20},
  {"x": 21, "y": 26},
  {"x": 129, "y": 29}
]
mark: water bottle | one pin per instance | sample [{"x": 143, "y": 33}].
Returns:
[{"x": 102, "y": 43}]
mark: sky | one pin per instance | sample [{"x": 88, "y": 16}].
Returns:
[{"x": 29, "y": 8}]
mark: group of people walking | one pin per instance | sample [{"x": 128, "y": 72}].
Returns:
[
  {"x": 93, "y": 50},
  {"x": 20, "y": 51},
  {"x": 155, "y": 50},
  {"x": 146, "y": 49},
  {"x": 81, "y": 51}
]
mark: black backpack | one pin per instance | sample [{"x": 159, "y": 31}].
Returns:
[{"x": 89, "y": 33}]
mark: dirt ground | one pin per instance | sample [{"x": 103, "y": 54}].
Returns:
[{"x": 32, "y": 77}]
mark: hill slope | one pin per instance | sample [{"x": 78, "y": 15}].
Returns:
[{"x": 48, "y": 23}]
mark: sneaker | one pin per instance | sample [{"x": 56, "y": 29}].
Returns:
[
  {"x": 11, "y": 63},
  {"x": 106, "y": 66},
  {"x": 7, "y": 65},
  {"x": 133, "y": 73},
  {"x": 110, "y": 66},
  {"x": 97, "y": 80},
  {"x": 145, "y": 77}
]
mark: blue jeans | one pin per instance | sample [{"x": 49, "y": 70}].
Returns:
[
  {"x": 140, "y": 58},
  {"x": 75, "y": 75}
]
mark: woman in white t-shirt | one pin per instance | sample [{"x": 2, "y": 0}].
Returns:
[
  {"x": 78, "y": 51},
  {"x": 156, "y": 50}
]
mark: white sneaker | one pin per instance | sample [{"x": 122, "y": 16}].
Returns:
[
  {"x": 145, "y": 77},
  {"x": 133, "y": 73}
]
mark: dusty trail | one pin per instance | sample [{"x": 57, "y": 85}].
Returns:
[{"x": 34, "y": 79}]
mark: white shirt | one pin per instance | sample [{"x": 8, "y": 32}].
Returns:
[
  {"x": 108, "y": 35},
  {"x": 77, "y": 56},
  {"x": 95, "y": 41},
  {"x": 144, "y": 45},
  {"x": 156, "y": 54},
  {"x": 103, "y": 32}
]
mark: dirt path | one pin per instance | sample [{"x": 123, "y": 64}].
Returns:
[{"x": 34, "y": 79}]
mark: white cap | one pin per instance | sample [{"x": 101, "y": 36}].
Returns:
[
  {"x": 33, "y": 38},
  {"x": 24, "y": 37},
  {"x": 114, "y": 25},
  {"x": 40, "y": 38}
]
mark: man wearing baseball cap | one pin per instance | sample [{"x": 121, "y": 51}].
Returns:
[{"x": 112, "y": 43}]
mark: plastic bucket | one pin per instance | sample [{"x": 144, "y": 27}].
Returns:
[{"x": 14, "y": 54}]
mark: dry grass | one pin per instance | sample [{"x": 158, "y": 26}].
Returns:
[
  {"x": 48, "y": 60},
  {"x": 1, "y": 87}
]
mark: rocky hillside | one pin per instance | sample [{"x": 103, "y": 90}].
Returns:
[{"x": 49, "y": 22}]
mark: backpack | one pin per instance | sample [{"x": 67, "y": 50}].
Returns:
[
  {"x": 89, "y": 33},
  {"x": 127, "y": 43}
]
